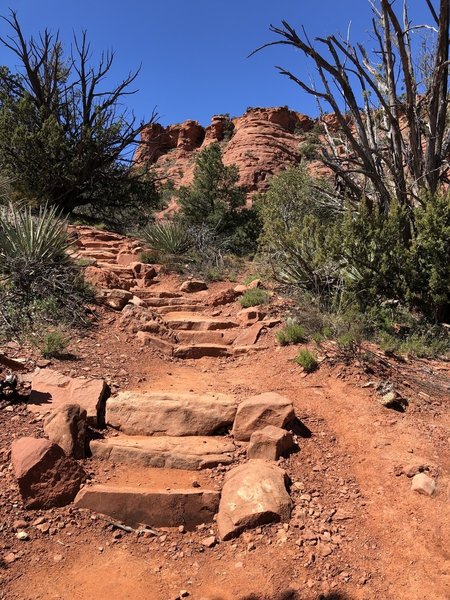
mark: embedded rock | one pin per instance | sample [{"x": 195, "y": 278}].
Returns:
[
  {"x": 117, "y": 299},
  {"x": 174, "y": 414},
  {"x": 270, "y": 443},
  {"x": 46, "y": 476},
  {"x": 259, "y": 411},
  {"x": 253, "y": 494},
  {"x": 50, "y": 389},
  {"x": 157, "y": 508},
  {"x": 66, "y": 426},
  {"x": 193, "y": 285},
  {"x": 192, "y": 452},
  {"x": 423, "y": 484}
]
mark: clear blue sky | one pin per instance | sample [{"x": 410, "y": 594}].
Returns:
[{"x": 194, "y": 52}]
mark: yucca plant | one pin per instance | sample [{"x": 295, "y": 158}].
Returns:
[
  {"x": 168, "y": 237},
  {"x": 32, "y": 239}
]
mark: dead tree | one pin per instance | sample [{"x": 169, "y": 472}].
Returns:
[{"x": 396, "y": 142}]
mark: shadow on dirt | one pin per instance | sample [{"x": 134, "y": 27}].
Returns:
[{"x": 295, "y": 595}]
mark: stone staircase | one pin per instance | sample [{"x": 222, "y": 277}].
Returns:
[
  {"x": 191, "y": 327},
  {"x": 179, "y": 433}
]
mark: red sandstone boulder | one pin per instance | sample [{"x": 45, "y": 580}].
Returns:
[
  {"x": 46, "y": 476},
  {"x": 50, "y": 389},
  {"x": 259, "y": 411},
  {"x": 270, "y": 443},
  {"x": 66, "y": 426},
  {"x": 253, "y": 494},
  {"x": 193, "y": 285}
]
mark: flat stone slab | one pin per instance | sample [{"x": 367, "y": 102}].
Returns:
[
  {"x": 193, "y": 321},
  {"x": 253, "y": 494},
  {"x": 160, "y": 413},
  {"x": 50, "y": 389},
  {"x": 157, "y": 508},
  {"x": 190, "y": 453},
  {"x": 195, "y": 351}
]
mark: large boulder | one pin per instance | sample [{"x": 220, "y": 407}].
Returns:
[
  {"x": 100, "y": 277},
  {"x": 259, "y": 411},
  {"x": 172, "y": 414},
  {"x": 66, "y": 426},
  {"x": 50, "y": 389},
  {"x": 46, "y": 476},
  {"x": 253, "y": 494},
  {"x": 270, "y": 443}
]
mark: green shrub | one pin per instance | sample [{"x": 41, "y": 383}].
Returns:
[
  {"x": 150, "y": 257},
  {"x": 307, "y": 360},
  {"x": 54, "y": 344},
  {"x": 168, "y": 237},
  {"x": 292, "y": 333},
  {"x": 254, "y": 297},
  {"x": 39, "y": 283}
]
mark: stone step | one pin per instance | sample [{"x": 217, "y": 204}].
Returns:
[
  {"x": 220, "y": 338},
  {"x": 103, "y": 255},
  {"x": 147, "y": 339},
  {"x": 192, "y": 452},
  {"x": 192, "y": 321},
  {"x": 175, "y": 302},
  {"x": 172, "y": 414},
  {"x": 202, "y": 350},
  {"x": 151, "y": 507},
  {"x": 190, "y": 308},
  {"x": 151, "y": 294},
  {"x": 108, "y": 246}
]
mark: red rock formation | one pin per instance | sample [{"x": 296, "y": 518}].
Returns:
[{"x": 261, "y": 143}]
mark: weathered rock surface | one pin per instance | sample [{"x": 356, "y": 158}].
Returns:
[
  {"x": 190, "y": 453},
  {"x": 50, "y": 389},
  {"x": 157, "y": 508},
  {"x": 46, "y": 476},
  {"x": 270, "y": 443},
  {"x": 160, "y": 413},
  {"x": 66, "y": 426},
  {"x": 259, "y": 411},
  {"x": 193, "y": 285},
  {"x": 117, "y": 299},
  {"x": 253, "y": 494},
  {"x": 423, "y": 484},
  {"x": 263, "y": 141}
]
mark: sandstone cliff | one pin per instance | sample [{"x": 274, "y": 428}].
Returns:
[{"x": 261, "y": 142}]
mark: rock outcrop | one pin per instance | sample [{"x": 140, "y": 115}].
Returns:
[{"x": 261, "y": 143}]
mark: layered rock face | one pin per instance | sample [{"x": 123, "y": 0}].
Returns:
[{"x": 261, "y": 143}]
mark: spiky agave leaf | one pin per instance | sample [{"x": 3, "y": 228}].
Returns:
[
  {"x": 169, "y": 237},
  {"x": 40, "y": 238}
]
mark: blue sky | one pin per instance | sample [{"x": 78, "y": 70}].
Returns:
[{"x": 193, "y": 53}]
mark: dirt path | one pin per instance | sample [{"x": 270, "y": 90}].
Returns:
[{"x": 357, "y": 531}]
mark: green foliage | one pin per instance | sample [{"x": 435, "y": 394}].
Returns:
[
  {"x": 39, "y": 284},
  {"x": 297, "y": 222},
  {"x": 168, "y": 237},
  {"x": 54, "y": 344},
  {"x": 29, "y": 239},
  {"x": 215, "y": 201},
  {"x": 254, "y": 297},
  {"x": 356, "y": 259},
  {"x": 64, "y": 139},
  {"x": 150, "y": 257},
  {"x": 307, "y": 360},
  {"x": 292, "y": 333}
]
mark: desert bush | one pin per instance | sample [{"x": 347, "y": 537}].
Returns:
[
  {"x": 254, "y": 297},
  {"x": 292, "y": 333},
  {"x": 39, "y": 283},
  {"x": 307, "y": 360},
  {"x": 53, "y": 344},
  {"x": 168, "y": 237}
]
